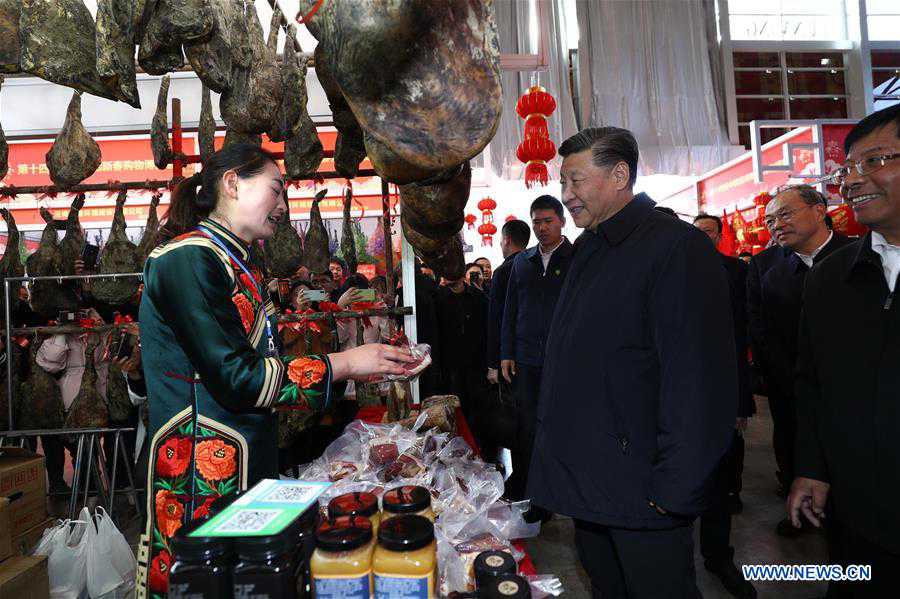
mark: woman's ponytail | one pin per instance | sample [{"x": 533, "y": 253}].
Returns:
[{"x": 194, "y": 198}]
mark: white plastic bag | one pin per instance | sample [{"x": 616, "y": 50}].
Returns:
[
  {"x": 65, "y": 546},
  {"x": 109, "y": 548}
]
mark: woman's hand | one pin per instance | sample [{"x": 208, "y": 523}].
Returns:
[{"x": 372, "y": 359}]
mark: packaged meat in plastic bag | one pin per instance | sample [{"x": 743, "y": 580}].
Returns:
[{"x": 421, "y": 352}]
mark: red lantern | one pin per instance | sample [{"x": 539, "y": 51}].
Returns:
[
  {"x": 535, "y": 152},
  {"x": 487, "y": 206},
  {"x": 487, "y": 230},
  {"x": 510, "y": 218},
  {"x": 535, "y": 106},
  {"x": 470, "y": 220}
]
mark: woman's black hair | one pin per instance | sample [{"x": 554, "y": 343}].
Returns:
[{"x": 194, "y": 198}]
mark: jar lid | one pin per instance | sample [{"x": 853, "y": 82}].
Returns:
[
  {"x": 506, "y": 586},
  {"x": 189, "y": 548},
  {"x": 407, "y": 499},
  {"x": 352, "y": 504},
  {"x": 264, "y": 547},
  {"x": 344, "y": 533},
  {"x": 406, "y": 533},
  {"x": 490, "y": 564}
]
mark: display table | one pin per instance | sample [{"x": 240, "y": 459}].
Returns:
[{"x": 374, "y": 415}]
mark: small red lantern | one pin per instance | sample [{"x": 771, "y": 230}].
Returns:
[
  {"x": 487, "y": 206},
  {"x": 535, "y": 152},
  {"x": 535, "y": 106},
  {"x": 470, "y": 220},
  {"x": 487, "y": 230},
  {"x": 510, "y": 218}
]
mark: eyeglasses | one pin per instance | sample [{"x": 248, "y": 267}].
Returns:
[
  {"x": 863, "y": 167},
  {"x": 786, "y": 215}
]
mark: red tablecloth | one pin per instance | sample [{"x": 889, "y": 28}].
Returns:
[{"x": 374, "y": 414}]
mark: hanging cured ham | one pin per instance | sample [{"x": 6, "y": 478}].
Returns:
[
  {"x": 159, "y": 128},
  {"x": 316, "y": 254},
  {"x": 72, "y": 242},
  {"x": 74, "y": 156},
  {"x": 118, "y": 256}
]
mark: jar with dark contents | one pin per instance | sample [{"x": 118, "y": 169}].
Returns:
[
  {"x": 341, "y": 565},
  {"x": 405, "y": 500},
  {"x": 268, "y": 568},
  {"x": 304, "y": 531},
  {"x": 201, "y": 566},
  {"x": 506, "y": 586},
  {"x": 356, "y": 504},
  {"x": 491, "y": 564}
]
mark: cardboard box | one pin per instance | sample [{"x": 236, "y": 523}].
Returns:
[
  {"x": 5, "y": 532},
  {"x": 25, "y": 578},
  {"x": 28, "y": 540},
  {"x": 23, "y": 480}
]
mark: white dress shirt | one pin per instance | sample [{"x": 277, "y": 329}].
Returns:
[
  {"x": 890, "y": 258},
  {"x": 545, "y": 258},
  {"x": 808, "y": 259}
]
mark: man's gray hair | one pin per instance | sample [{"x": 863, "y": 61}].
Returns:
[
  {"x": 609, "y": 146},
  {"x": 809, "y": 194}
]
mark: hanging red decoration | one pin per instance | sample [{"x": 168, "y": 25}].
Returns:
[
  {"x": 762, "y": 199},
  {"x": 845, "y": 223},
  {"x": 487, "y": 206},
  {"x": 470, "y": 220},
  {"x": 510, "y": 218},
  {"x": 535, "y": 152},
  {"x": 536, "y": 149},
  {"x": 535, "y": 106},
  {"x": 487, "y": 230}
]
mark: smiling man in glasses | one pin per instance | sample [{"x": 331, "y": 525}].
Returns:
[
  {"x": 796, "y": 218},
  {"x": 848, "y": 371}
]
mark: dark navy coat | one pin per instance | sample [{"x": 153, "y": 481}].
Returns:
[
  {"x": 781, "y": 300},
  {"x": 530, "y": 301},
  {"x": 639, "y": 390},
  {"x": 496, "y": 304}
]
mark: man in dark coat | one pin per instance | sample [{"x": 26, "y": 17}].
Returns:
[
  {"x": 848, "y": 371},
  {"x": 639, "y": 392},
  {"x": 427, "y": 330},
  {"x": 796, "y": 217},
  {"x": 715, "y": 524},
  {"x": 462, "y": 324},
  {"x": 514, "y": 237},
  {"x": 534, "y": 284}
]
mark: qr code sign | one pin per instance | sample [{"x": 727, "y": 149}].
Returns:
[
  {"x": 248, "y": 521},
  {"x": 291, "y": 494}
]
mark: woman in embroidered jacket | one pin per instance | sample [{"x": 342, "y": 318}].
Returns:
[{"x": 211, "y": 362}]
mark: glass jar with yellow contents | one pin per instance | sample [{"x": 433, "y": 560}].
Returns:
[
  {"x": 407, "y": 499},
  {"x": 356, "y": 504},
  {"x": 341, "y": 565},
  {"x": 405, "y": 558}
]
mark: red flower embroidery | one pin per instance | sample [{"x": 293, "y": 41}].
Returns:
[
  {"x": 202, "y": 510},
  {"x": 216, "y": 459},
  {"x": 250, "y": 285},
  {"x": 169, "y": 513},
  {"x": 159, "y": 572},
  {"x": 306, "y": 372},
  {"x": 245, "y": 310},
  {"x": 173, "y": 457}
]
